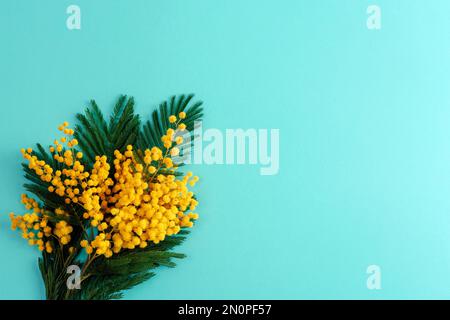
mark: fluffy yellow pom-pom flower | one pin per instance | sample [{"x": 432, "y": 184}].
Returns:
[{"x": 172, "y": 119}]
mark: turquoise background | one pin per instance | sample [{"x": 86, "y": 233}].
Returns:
[{"x": 364, "y": 119}]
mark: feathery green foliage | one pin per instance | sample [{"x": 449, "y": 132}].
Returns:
[
  {"x": 154, "y": 128},
  {"x": 96, "y": 137}
]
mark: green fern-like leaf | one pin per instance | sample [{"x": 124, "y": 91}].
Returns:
[
  {"x": 97, "y": 138},
  {"x": 109, "y": 277},
  {"x": 156, "y": 127}
]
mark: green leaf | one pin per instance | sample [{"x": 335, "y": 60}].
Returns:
[
  {"x": 156, "y": 127},
  {"x": 97, "y": 138},
  {"x": 105, "y": 287}
]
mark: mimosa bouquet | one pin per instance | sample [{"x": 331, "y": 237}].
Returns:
[{"x": 110, "y": 202}]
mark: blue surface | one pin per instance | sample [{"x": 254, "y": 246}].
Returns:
[{"x": 364, "y": 119}]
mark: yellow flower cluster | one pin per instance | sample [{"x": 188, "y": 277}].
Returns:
[
  {"x": 62, "y": 231},
  {"x": 136, "y": 202},
  {"x": 144, "y": 211},
  {"x": 34, "y": 225}
]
